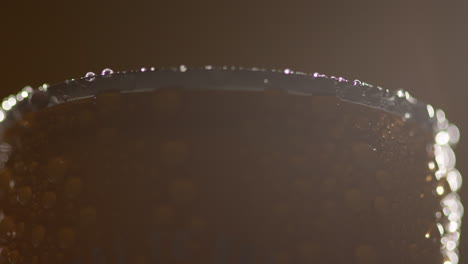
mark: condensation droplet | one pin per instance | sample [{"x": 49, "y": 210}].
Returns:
[
  {"x": 444, "y": 156},
  {"x": 454, "y": 134},
  {"x": 440, "y": 190},
  {"x": 208, "y": 67},
  {"x": 451, "y": 245},
  {"x": 400, "y": 93},
  {"x": 12, "y": 100},
  {"x": 19, "y": 97},
  {"x": 6, "y": 105},
  {"x": 44, "y": 87},
  {"x": 442, "y": 122},
  {"x": 28, "y": 89},
  {"x": 453, "y": 226},
  {"x": 152, "y": 69},
  {"x": 453, "y": 257},
  {"x": 442, "y": 138},
  {"x": 410, "y": 98},
  {"x": 454, "y": 180},
  {"x": 440, "y": 228},
  {"x": 90, "y": 76},
  {"x": 182, "y": 68},
  {"x": 2, "y": 116},
  {"x": 440, "y": 114},
  {"x": 143, "y": 69},
  {"x": 430, "y": 110},
  {"x": 316, "y": 74},
  {"x": 107, "y": 71},
  {"x": 287, "y": 71}
]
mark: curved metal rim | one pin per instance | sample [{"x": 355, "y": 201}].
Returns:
[{"x": 399, "y": 102}]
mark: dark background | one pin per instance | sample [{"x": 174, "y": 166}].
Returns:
[{"x": 420, "y": 46}]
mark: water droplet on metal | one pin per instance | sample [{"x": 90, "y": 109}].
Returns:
[
  {"x": 182, "y": 68},
  {"x": 107, "y": 71},
  {"x": 90, "y": 76},
  {"x": 143, "y": 69},
  {"x": 2, "y": 115},
  {"x": 44, "y": 87},
  {"x": 28, "y": 89},
  {"x": 451, "y": 245},
  {"x": 442, "y": 122},
  {"x": 454, "y": 180},
  {"x": 12, "y": 100},
  {"x": 454, "y": 134},
  {"x": 287, "y": 71},
  {"x": 6, "y": 105},
  {"x": 440, "y": 228},
  {"x": 440, "y": 190},
  {"x": 442, "y": 138},
  {"x": 19, "y": 97},
  {"x": 430, "y": 110},
  {"x": 401, "y": 93}
]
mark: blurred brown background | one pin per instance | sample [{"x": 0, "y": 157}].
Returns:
[{"x": 417, "y": 45}]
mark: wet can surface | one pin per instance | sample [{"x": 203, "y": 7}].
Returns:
[{"x": 226, "y": 167}]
